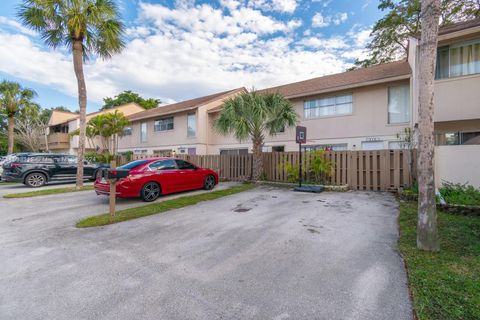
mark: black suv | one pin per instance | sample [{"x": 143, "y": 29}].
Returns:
[{"x": 36, "y": 169}]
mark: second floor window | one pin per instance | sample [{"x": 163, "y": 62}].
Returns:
[
  {"x": 143, "y": 132},
  {"x": 164, "y": 124},
  {"x": 191, "y": 125},
  {"x": 330, "y": 106},
  {"x": 458, "y": 60},
  {"x": 399, "y": 104},
  {"x": 127, "y": 131}
]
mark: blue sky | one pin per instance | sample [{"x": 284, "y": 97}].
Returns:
[{"x": 178, "y": 50}]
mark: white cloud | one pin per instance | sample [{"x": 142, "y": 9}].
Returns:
[
  {"x": 320, "y": 21},
  {"x": 328, "y": 44},
  {"x": 339, "y": 17},
  {"x": 16, "y": 26},
  {"x": 287, "y": 6},
  {"x": 323, "y": 3},
  {"x": 189, "y": 51}
]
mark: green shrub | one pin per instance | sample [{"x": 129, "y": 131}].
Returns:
[
  {"x": 92, "y": 156},
  {"x": 320, "y": 167},
  {"x": 457, "y": 193}
]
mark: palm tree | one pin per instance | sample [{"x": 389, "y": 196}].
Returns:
[
  {"x": 427, "y": 233},
  {"x": 85, "y": 27},
  {"x": 251, "y": 115},
  {"x": 12, "y": 98}
]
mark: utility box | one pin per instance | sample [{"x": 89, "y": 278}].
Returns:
[{"x": 117, "y": 173}]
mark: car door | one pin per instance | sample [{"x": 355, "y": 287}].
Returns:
[
  {"x": 189, "y": 176},
  {"x": 64, "y": 169},
  {"x": 165, "y": 172}
]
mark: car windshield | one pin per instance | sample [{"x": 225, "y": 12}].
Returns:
[{"x": 133, "y": 164}]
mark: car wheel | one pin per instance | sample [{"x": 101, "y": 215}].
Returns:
[
  {"x": 150, "y": 192},
  {"x": 209, "y": 182},
  {"x": 35, "y": 180}
]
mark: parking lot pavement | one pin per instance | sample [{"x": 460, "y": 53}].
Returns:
[
  {"x": 6, "y": 188},
  {"x": 262, "y": 254}
]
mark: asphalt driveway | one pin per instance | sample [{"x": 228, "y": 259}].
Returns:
[{"x": 267, "y": 253}]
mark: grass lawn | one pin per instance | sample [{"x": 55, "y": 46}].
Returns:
[
  {"x": 44, "y": 192},
  {"x": 445, "y": 285},
  {"x": 159, "y": 207}
]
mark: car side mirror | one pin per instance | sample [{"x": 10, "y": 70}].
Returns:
[{"x": 85, "y": 162}]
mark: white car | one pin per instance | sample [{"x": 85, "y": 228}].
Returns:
[{"x": 2, "y": 161}]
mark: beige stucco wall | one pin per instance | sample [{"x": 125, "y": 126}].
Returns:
[
  {"x": 173, "y": 139},
  {"x": 457, "y": 98},
  {"x": 458, "y": 164},
  {"x": 369, "y": 119}
]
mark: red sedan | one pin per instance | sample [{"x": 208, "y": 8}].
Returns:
[{"x": 149, "y": 178}]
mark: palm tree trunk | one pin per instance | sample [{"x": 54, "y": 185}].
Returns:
[
  {"x": 82, "y": 102},
  {"x": 427, "y": 233},
  {"x": 11, "y": 124},
  {"x": 257, "y": 159}
]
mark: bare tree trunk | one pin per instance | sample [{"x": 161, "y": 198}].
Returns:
[
  {"x": 257, "y": 159},
  {"x": 11, "y": 124},
  {"x": 427, "y": 233},
  {"x": 82, "y": 102}
]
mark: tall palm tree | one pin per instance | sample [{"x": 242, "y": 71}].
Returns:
[
  {"x": 86, "y": 27},
  {"x": 252, "y": 115},
  {"x": 12, "y": 98}
]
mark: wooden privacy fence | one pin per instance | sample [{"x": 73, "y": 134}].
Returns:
[
  {"x": 379, "y": 170},
  {"x": 360, "y": 170},
  {"x": 228, "y": 167}
]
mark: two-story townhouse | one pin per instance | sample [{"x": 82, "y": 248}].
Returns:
[
  {"x": 368, "y": 108},
  {"x": 362, "y": 109},
  {"x": 178, "y": 128},
  {"x": 62, "y": 123}
]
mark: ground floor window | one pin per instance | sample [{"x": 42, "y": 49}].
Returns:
[
  {"x": 372, "y": 145},
  {"x": 328, "y": 147},
  {"x": 163, "y": 152},
  {"x": 457, "y": 138},
  {"x": 234, "y": 151}
]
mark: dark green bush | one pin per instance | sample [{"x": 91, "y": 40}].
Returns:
[{"x": 457, "y": 193}]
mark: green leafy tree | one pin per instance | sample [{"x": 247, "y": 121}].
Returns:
[
  {"x": 85, "y": 27},
  {"x": 127, "y": 97},
  {"x": 252, "y": 115},
  {"x": 13, "y": 97},
  {"x": 402, "y": 20},
  {"x": 106, "y": 127}
]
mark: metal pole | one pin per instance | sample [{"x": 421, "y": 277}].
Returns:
[{"x": 300, "y": 166}]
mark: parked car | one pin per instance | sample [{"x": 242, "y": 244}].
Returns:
[
  {"x": 37, "y": 169},
  {"x": 149, "y": 178},
  {"x": 2, "y": 161}
]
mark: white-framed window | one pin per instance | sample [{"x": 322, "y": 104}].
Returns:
[
  {"x": 127, "y": 131},
  {"x": 330, "y": 106},
  {"x": 327, "y": 147},
  {"x": 191, "y": 125},
  {"x": 372, "y": 145},
  {"x": 458, "y": 60},
  {"x": 399, "y": 104},
  {"x": 164, "y": 124},
  {"x": 143, "y": 132}
]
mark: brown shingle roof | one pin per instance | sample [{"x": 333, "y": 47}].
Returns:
[
  {"x": 181, "y": 106},
  {"x": 459, "y": 26},
  {"x": 356, "y": 78}
]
